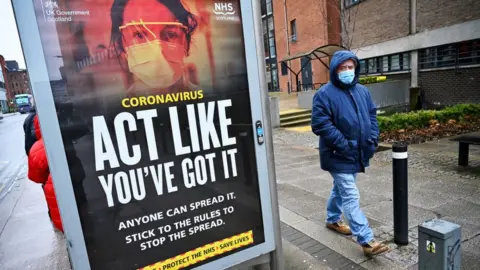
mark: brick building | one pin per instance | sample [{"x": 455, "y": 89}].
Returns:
[
  {"x": 18, "y": 82},
  {"x": 300, "y": 27},
  {"x": 3, "y": 85},
  {"x": 436, "y": 45}
]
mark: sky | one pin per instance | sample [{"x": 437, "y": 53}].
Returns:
[{"x": 10, "y": 46}]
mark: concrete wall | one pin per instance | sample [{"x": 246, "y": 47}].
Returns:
[
  {"x": 390, "y": 93},
  {"x": 274, "y": 112},
  {"x": 305, "y": 99},
  {"x": 398, "y": 76},
  {"x": 450, "y": 86}
]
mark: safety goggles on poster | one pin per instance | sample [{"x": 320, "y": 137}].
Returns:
[{"x": 171, "y": 36}]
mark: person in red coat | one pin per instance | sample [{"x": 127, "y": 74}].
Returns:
[{"x": 39, "y": 172}]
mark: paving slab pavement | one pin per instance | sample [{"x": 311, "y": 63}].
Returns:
[
  {"x": 27, "y": 238},
  {"x": 438, "y": 188}
]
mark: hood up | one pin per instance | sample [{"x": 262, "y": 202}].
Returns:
[{"x": 338, "y": 58}]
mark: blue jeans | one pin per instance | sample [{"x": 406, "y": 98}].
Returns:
[{"x": 345, "y": 196}]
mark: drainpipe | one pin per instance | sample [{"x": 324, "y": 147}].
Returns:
[
  {"x": 413, "y": 54},
  {"x": 288, "y": 43}
]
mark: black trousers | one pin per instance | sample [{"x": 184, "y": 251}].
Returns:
[{"x": 49, "y": 215}]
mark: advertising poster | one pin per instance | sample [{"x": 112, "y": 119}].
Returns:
[{"x": 153, "y": 103}]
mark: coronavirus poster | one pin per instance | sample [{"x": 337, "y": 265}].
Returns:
[{"x": 152, "y": 99}]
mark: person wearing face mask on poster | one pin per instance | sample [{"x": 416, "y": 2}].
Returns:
[
  {"x": 153, "y": 38},
  {"x": 344, "y": 117}
]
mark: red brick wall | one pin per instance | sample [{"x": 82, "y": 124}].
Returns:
[
  {"x": 312, "y": 31},
  {"x": 19, "y": 82}
]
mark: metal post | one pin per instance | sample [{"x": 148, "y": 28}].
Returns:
[
  {"x": 463, "y": 149},
  {"x": 276, "y": 256},
  {"x": 400, "y": 193}
]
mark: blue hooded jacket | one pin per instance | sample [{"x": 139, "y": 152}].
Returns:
[{"x": 345, "y": 118}]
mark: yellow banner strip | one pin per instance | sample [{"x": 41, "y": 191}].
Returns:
[{"x": 203, "y": 253}]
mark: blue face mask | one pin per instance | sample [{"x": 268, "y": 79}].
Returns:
[{"x": 346, "y": 76}]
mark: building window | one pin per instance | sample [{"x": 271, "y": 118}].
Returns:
[
  {"x": 266, "y": 7},
  {"x": 469, "y": 52},
  {"x": 265, "y": 47},
  {"x": 405, "y": 61},
  {"x": 373, "y": 65},
  {"x": 274, "y": 77},
  {"x": 269, "y": 37},
  {"x": 293, "y": 30},
  {"x": 265, "y": 28},
  {"x": 263, "y": 8},
  {"x": 363, "y": 67},
  {"x": 284, "y": 68},
  {"x": 395, "y": 62},
  {"x": 451, "y": 55},
  {"x": 272, "y": 47},
  {"x": 384, "y": 64},
  {"x": 269, "y": 7}
]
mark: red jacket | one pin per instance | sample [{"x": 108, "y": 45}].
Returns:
[{"x": 39, "y": 172}]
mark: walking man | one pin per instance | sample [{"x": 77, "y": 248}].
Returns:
[{"x": 345, "y": 118}]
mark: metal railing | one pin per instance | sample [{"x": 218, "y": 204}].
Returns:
[{"x": 305, "y": 87}]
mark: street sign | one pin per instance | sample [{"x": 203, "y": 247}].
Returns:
[{"x": 160, "y": 106}]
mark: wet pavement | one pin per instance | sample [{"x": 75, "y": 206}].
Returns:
[
  {"x": 438, "y": 188},
  {"x": 28, "y": 240},
  {"x": 12, "y": 153}
]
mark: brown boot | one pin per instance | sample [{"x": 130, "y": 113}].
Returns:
[
  {"x": 374, "y": 248},
  {"x": 340, "y": 228}
]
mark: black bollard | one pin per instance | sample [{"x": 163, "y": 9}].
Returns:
[{"x": 400, "y": 193}]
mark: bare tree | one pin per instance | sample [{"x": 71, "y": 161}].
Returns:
[{"x": 331, "y": 10}]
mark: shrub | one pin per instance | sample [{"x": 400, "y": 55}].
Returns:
[{"x": 422, "y": 119}]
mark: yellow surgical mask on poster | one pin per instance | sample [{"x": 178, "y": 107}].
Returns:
[{"x": 147, "y": 59}]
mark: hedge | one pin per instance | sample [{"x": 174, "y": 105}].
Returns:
[
  {"x": 421, "y": 119},
  {"x": 372, "y": 79}
]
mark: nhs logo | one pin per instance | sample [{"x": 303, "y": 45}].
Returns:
[{"x": 224, "y": 11}]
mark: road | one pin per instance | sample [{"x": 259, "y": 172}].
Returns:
[
  {"x": 27, "y": 238},
  {"x": 12, "y": 153}
]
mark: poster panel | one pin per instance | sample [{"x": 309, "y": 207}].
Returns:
[{"x": 154, "y": 107}]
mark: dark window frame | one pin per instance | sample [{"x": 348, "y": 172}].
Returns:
[
  {"x": 293, "y": 30},
  {"x": 270, "y": 47},
  {"x": 284, "y": 67},
  {"x": 365, "y": 65},
  {"x": 453, "y": 55}
]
